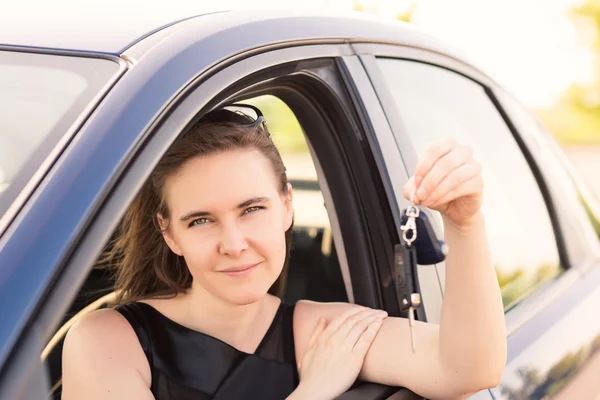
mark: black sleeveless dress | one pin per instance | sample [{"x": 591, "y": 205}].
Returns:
[{"x": 190, "y": 365}]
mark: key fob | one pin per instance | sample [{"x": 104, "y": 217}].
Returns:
[
  {"x": 406, "y": 281},
  {"x": 429, "y": 249}
]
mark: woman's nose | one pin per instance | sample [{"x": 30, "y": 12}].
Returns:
[{"x": 233, "y": 241}]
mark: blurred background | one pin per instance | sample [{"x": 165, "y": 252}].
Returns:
[{"x": 546, "y": 52}]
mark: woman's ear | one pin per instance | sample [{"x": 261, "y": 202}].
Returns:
[
  {"x": 289, "y": 206},
  {"x": 163, "y": 223}
]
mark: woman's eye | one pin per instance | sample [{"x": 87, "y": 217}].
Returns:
[
  {"x": 199, "y": 221},
  {"x": 252, "y": 210}
]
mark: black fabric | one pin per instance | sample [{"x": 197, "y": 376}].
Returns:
[{"x": 190, "y": 365}]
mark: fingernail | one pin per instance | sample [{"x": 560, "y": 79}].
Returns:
[{"x": 382, "y": 313}]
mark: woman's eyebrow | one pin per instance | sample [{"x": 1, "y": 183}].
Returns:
[
  {"x": 246, "y": 203},
  {"x": 194, "y": 214},
  {"x": 254, "y": 200}
]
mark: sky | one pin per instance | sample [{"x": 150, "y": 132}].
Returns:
[{"x": 528, "y": 46}]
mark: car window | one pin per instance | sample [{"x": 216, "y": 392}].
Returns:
[
  {"x": 40, "y": 98},
  {"x": 582, "y": 222},
  {"x": 435, "y": 103}
]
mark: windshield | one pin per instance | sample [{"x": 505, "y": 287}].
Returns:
[{"x": 41, "y": 97}]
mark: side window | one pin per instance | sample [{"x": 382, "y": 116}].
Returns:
[{"x": 435, "y": 103}]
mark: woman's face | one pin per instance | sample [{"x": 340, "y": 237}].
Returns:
[{"x": 228, "y": 219}]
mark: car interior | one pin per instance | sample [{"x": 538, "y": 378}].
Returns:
[{"x": 317, "y": 270}]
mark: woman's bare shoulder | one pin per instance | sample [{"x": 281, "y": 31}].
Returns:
[
  {"x": 306, "y": 316},
  {"x": 100, "y": 349},
  {"x": 308, "y": 309}
]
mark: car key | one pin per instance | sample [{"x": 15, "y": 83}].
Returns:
[
  {"x": 430, "y": 250},
  {"x": 424, "y": 249},
  {"x": 407, "y": 283}
]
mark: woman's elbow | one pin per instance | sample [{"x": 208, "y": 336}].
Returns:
[
  {"x": 478, "y": 379},
  {"x": 483, "y": 379}
]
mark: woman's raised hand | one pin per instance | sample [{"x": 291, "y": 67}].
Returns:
[
  {"x": 448, "y": 179},
  {"x": 336, "y": 352}
]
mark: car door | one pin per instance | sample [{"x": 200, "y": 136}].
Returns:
[
  {"x": 543, "y": 246},
  {"x": 97, "y": 175}
]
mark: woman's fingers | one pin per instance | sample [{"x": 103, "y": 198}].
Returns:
[
  {"x": 321, "y": 325},
  {"x": 359, "y": 328},
  {"x": 456, "y": 177},
  {"x": 335, "y": 323},
  {"x": 432, "y": 154},
  {"x": 441, "y": 168},
  {"x": 473, "y": 185},
  {"x": 362, "y": 318},
  {"x": 367, "y": 337},
  {"x": 409, "y": 188}
]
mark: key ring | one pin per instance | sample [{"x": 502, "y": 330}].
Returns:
[{"x": 412, "y": 212}]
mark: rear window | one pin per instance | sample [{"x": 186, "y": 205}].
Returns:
[{"x": 41, "y": 98}]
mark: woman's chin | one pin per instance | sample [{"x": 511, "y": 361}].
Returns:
[
  {"x": 245, "y": 297},
  {"x": 244, "y": 294}
]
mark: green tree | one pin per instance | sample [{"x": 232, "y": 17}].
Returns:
[{"x": 567, "y": 366}]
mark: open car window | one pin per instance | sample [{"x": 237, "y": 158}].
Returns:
[{"x": 314, "y": 270}]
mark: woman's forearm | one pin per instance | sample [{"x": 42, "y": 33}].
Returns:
[
  {"x": 304, "y": 393},
  {"x": 472, "y": 328}
]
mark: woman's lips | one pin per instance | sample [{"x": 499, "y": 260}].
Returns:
[{"x": 240, "y": 270}]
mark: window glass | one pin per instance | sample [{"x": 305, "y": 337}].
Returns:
[
  {"x": 435, "y": 103},
  {"x": 581, "y": 220},
  {"x": 40, "y": 98}
]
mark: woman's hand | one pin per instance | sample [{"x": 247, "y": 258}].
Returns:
[
  {"x": 336, "y": 353},
  {"x": 448, "y": 179}
]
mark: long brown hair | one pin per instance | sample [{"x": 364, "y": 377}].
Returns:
[{"x": 144, "y": 266}]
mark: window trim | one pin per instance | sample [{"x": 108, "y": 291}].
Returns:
[
  {"x": 541, "y": 181},
  {"x": 576, "y": 244},
  {"x": 381, "y": 137}
]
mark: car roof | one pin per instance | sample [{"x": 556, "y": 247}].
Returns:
[
  {"x": 93, "y": 29},
  {"x": 113, "y": 32}
]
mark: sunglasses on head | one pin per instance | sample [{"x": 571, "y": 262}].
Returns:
[{"x": 243, "y": 114}]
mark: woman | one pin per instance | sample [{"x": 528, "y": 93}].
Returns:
[{"x": 201, "y": 258}]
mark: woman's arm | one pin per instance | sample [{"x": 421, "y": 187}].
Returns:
[
  {"x": 472, "y": 328},
  {"x": 467, "y": 351},
  {"x": 102, "y": 359}
]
